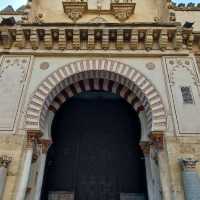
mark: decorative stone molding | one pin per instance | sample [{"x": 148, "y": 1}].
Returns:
[
  {"x": 115, "y": 71},
  {"x": 75, "y": 9},
  {"x": 122, "y": 10},
  {"x": 20, "y": 39},
  {"x": 163, "y": 40},
  {"x": 48, "y": 40},
  {"x": 34, "y": 39},
  {"x": 184, "y": 7},
  {"x": 157, "y": 140},
  {"x": 105, "y": 39},
  {"x": 6, "y": 39},
  {"x": 134, "y": 39},
  {"x": 97, "y": 84},
  {"x": 76, "y": 43},
  {"x": 145, "y": 146},
  {"x": 5, "y": 161},
  {"x": 91, "y": 39},
  {"x": 178, "y": 39},
  {"x": 120, "y": 39},
  {"x": 148, "y": 43},
  {"x": 96, "y": 37},
  {"x": 189, "y": 164}
]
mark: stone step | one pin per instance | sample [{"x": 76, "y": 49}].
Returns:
[{"x": 132, "y": 196}]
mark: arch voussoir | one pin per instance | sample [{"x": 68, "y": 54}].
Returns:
[{"x": 86, "y": 75}]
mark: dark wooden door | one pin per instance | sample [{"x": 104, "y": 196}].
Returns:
[{"x": 95, "y": 153}]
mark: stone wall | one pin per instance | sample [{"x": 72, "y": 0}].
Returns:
[
  {"x": 178, "y": 148},
  {"x": 13, "y": 146}
]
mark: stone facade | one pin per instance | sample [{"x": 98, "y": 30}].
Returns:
[{"x": 141, "y": 50}]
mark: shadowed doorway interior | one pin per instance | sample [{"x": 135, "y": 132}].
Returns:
[{"x": 95, "y": 153}]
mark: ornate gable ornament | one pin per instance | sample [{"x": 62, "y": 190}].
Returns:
[
  {"x": 122, "y": 10},
  {"x": 75, "y": 8}
]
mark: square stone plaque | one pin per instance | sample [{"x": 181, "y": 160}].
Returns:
[{"x": 61, "y": 195}]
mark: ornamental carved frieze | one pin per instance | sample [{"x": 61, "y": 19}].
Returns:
[
  {"x": 75, "y": 9},
  {"x": 122, "y": 10}
]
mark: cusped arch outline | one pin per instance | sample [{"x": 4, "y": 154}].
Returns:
[{"x": 44, "y": 96}]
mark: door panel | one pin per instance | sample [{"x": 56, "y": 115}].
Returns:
[{"x": 95, "y": 153}]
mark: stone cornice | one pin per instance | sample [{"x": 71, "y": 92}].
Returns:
[
  {"x": 135, "y": 36},
  {"x": 184, "y": 7}
]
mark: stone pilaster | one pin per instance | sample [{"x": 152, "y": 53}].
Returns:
[
  {"x": 32, "y": 139},
  {"x": 146, "y": 148},
  {"x": 45, "y": 143},
  {"x": 158, "y": 153},
  {"x": 191, "y": 179},
  {"x": 4, "y": 163}
]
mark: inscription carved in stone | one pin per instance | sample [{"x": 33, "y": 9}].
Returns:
[{"x": 13, "y": 74}]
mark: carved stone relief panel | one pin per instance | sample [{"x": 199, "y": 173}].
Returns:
[
  {"x": 184, "y": 88},
  {"x": 13, "y": 75}
]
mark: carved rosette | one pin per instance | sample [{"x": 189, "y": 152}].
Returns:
[
  {"x": 5, "y": 161},
  {"x": 189, "y": 164},
  {"x": 122, "y": 11},
  {"x": 75, "y": 10},
  {"x": 157, "y": 140}
]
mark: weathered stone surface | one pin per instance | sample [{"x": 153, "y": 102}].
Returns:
[{"x": 13, "y": 74}]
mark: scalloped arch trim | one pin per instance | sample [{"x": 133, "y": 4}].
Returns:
[{"x": 133, "y": 85}]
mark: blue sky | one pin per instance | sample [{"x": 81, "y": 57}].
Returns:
[{"x": 18, "y": 3}]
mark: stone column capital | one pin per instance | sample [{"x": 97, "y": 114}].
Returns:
[
  {"x": 45, "y": 144},
  {"x": 189, "y": 164},
  {"x": 5, "y": 161},
  {"x": 157, "y": 140},
  {"x": 32, "y": 136},
  {"x": 145, "y": 146}
]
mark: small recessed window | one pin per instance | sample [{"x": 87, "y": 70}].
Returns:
[{"x": 187, "y": 95}]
